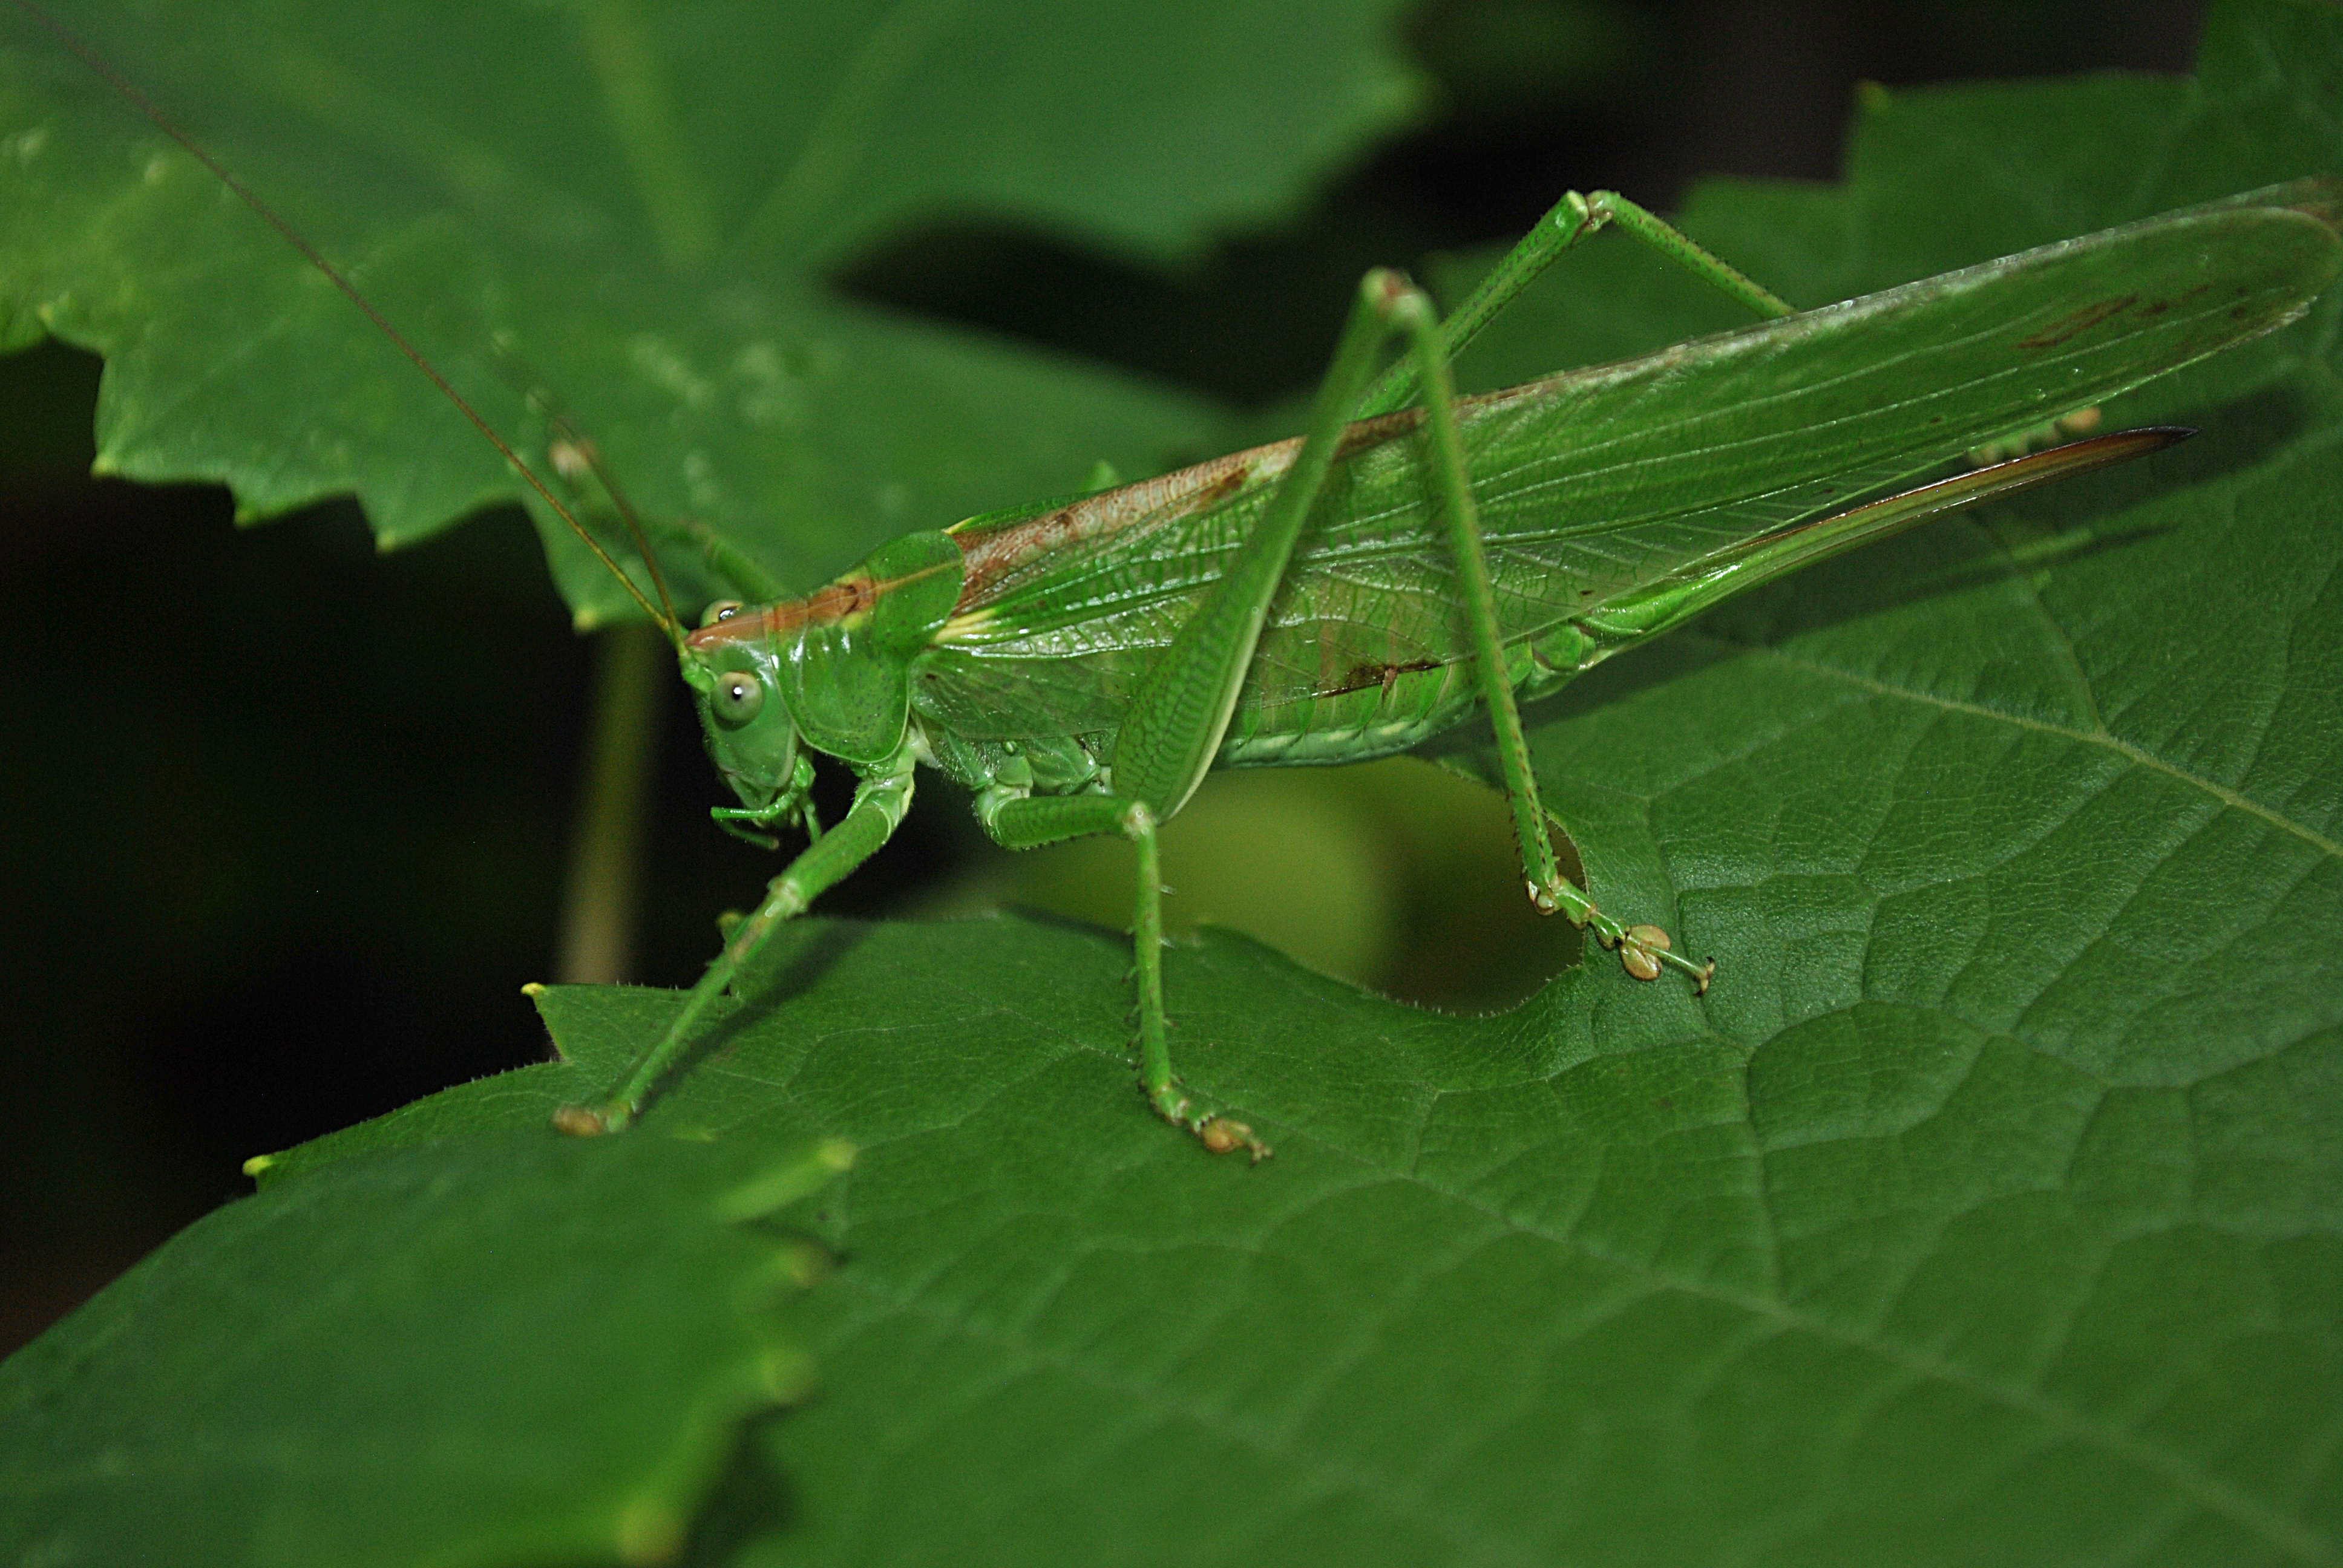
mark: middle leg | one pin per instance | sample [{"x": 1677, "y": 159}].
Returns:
[{"x": 1028, "y": 822}]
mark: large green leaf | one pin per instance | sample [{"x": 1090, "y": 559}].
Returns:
[
  {"x": 1986, "y": 1209},
  {"x": 642, "y": 206},
  {"x": 512, "y": 1349}
]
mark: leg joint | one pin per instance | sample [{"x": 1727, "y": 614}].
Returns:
[
  {"x": 1582, "y": 212},
  {"x": 1382, "y": 288},
  {"x": 994, "y": 798},
  {"x": 1397, "y": 301}
]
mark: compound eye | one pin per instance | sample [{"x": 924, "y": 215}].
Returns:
[
  {"x": 723, "y": 609},
  {"x": 739, "y": 698}
]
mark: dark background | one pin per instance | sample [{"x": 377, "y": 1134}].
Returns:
[{"x": 283, "y": 820}]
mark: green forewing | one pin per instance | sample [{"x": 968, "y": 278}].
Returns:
[{"x": 1597, "y": 483}]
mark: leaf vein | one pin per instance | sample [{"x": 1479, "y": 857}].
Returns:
[{"x": 2137, "y": 755}]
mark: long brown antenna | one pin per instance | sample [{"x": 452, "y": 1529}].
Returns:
[
  {"x": 88, "y": 56},
  {"x": 567, "y": 429},
  {"x": 571, "y": 440}
]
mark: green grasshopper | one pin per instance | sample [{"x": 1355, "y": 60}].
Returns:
[
  {"x": 1414, "y": 560},
  {"x": 1418, "y": 558}
]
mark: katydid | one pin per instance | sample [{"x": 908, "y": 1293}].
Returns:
[
  {"x": 1415, "y": 560},
  {"x": 1418, "y": 558}
]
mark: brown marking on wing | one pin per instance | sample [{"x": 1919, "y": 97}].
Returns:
[
  {"x": 2155, "y": 308},
  {"x": 1220, "y": 489},
  {"x": 1363, "y": 434},
  {"x": 2080, "y": 322},
  {"x": 1386, "y": 676},
  {"x": 848, "y": 597},
  {"x": 988, "y": 555}
]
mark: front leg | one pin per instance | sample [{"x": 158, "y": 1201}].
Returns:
[{"x": 880, "y": 802}]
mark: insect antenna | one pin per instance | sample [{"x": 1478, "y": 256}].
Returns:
[
  {"x": 572, "y": 441},
  {"x": 572, "y": 450},
  {"x": 88, "y": 56}
]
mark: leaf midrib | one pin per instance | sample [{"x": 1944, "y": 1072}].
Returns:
[{"x": 2100, "y": 739}]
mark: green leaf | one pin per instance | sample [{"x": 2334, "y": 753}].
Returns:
[
  {"x": 506, "y": 1348},
  {"x": 1595, "y": 1280},
  {"x": 638, "y": 213},
  {"x": 1988, "y": 1208}
]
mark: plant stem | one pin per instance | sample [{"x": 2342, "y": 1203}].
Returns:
[{"x": 606, "y": 857}]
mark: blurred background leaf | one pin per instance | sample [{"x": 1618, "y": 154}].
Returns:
[{"x": 639, "y": 212}]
